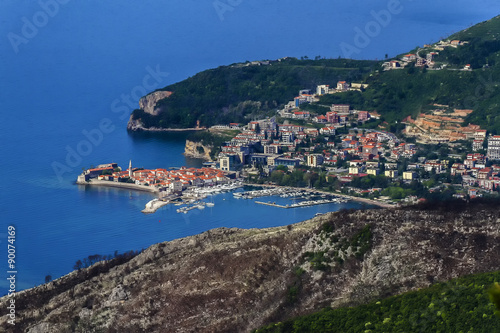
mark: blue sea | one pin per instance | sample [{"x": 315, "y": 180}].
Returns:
[
  {"x": 60, "y": 222},
  {"x": 72, "y": 71}
]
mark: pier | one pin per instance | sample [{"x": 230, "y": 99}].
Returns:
[
  {"x": 303, "y": 203},
  {"x": 273, "y": 204},
  {"x": 154, "y": 205},
  {"x": 127, "y": 186}
]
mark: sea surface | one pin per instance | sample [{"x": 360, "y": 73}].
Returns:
[
  {"x": 58, "y": 223},
  {"x": 68, "y": 85}
]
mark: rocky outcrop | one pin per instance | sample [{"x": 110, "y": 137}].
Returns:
[
  {"x": 233, "y": 280},
  {"x": 197, "y": 150},
  {"x": 148, "y": 102},
  {"x": 148, "y": 105},
  {"x": 135, "y": 125}
]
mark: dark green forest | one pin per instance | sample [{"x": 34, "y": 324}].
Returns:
[
  {"x": 460, "y": 305},
  {"x": 238, "y": 93},
  {"x": 243, "y": 92}
]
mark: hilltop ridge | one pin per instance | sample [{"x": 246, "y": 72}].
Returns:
[
  {"x": 241, "y": 92},
  {"x": 229, "y": 280}
]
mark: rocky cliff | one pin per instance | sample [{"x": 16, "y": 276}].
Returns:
[
  {"x": 135, "y": 125},
  {"x": 148, "y": 102},
  {"x": 233, "y": 280},
  {"x": 148, "y": 105},
  {"x": 197, "y": 150}
]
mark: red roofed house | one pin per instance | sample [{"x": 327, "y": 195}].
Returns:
[
  {"x": 327, "y": 130},
  {"x": 409, "y": 57},
  {"x": 320, "y": 119},
  {"x": 301, "y": 115},
  {"x": 342, "y": 86}
]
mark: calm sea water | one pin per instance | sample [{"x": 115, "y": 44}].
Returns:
[
  {"x": 86, "y": 65},
  {"x": 59, "y": 222}
]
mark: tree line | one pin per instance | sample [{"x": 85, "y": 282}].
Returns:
[{"x": 95, "y": 258}]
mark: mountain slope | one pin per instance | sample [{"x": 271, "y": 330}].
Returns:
[
  {"x": 239, "y": 92},
  {"x": 487, "y": 30},
  {"x": 229, "y": 280},
  {"x": 397, "y": 94},
  {"x": 460, "y": 305}
]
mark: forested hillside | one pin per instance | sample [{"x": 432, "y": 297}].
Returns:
[
  {"x": 239, "y": 92},
  {"x": 242, "y": 92},
  {"x": 460, "y": 305}
]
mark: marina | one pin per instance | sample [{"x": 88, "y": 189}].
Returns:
[
  {"x": 192, "y": 199},
  {"x": 303, "y": 203}
]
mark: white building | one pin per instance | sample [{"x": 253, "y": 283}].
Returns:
[
  {"x": 340, "y": 108},
  {"x": 315, "y": 160},
  {"x": 477, "y": 145},
  {"x": 494, "y": 147},
  {"x": 272, "y": 149},
  {"x": 175, "y": 186},
  {"x": 322, "y": 89},
  {"x": 342, "y": 86}
]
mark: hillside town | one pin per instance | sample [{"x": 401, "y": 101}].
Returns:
[
  {"x": 165, "y": 182},
  {"x": 356, "y": 160},
  {"x": 428, "y": 57},
  {"x": 344, "y": 150}
]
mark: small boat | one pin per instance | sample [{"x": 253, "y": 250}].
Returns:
[{"x": 210, "y": 204}]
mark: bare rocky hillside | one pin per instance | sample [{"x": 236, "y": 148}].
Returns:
[{"x": 233, "y": 280}]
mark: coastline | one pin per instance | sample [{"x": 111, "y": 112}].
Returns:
[
  {"x": 191, "y": 149},
  {"x": 140, "y": 128},
  {"x": 154, "y": 190},
  {"x": 197, "y": 156},
  {"x": 157, "y": 129},
  {"x": 153, "y": 205},
  {"x": 364, "y": 200},
  {"x": 127, "y": 186}
]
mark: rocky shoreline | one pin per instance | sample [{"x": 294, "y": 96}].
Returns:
[
  {"x": 191, "y": 149},
  {"x": 136, "y": 126},
  {"x": 154, "y": 205}
]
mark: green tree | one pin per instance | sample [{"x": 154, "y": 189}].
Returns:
[{"x": 78, "y": 265}]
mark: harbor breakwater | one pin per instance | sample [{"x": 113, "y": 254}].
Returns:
[{"x": 129, "y": 186}]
